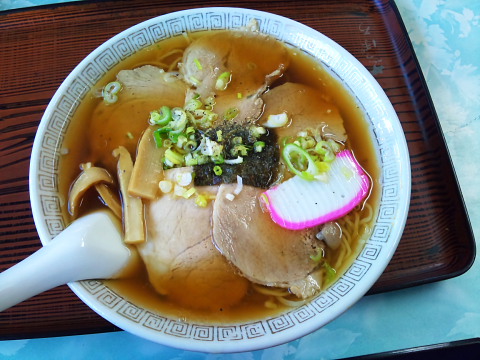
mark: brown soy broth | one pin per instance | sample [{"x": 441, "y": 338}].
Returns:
[
  {"x": 303, "y": 69},
  {"x": 78, "y": 145},
  {"x": 78, "y": 142},
  {"x": 138, "y": 288}
]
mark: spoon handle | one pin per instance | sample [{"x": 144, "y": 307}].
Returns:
[{"x": 90, "y": 248}]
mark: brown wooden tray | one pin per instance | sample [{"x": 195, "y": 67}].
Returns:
[{"x": 40, "y": 46}]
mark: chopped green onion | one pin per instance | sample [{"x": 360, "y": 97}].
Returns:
[
  {"x": 336, "y": 147},
  {"x": 174, "y": 157},
  {"x": 164, "y": 130},
  {"x": 204, "y": 118},
  {"x": 167, "y": 164},
  {"x": 217, "y": 170},
  {"x": 181, "y": 140},
  {"x": 318, "y": 256},
  {"x": 307, "y": 176},
  {"x": 307, "y": 142},
  {"x": 223, "y": 80},
  {"x": 219, "y": 136},
  {"x": 190, "y": 145},
  {"x": 329, "y": 156},
  {"x": 322, "y": 166},
  {"x": 190, "y": 117},
  {"x": 179, "y": 120},
  {"x": 198, "y": 64},
  {"x": 190, "y": 160},
  {"x": 178, "y": 116},
  {"x": 210, "y": 101},
  {"x": 129, "y": 135},
  {"x": 303, "y": 159},
  {"x": 257, "y": 131},
  {"x": 322, "y": 147},
  {"x": 331, "y": 272},
  {"x": 231, "y": 113},
  {"x": 239, "y": 95},
  {"x": 201, "y": 159},
  {"x": 190, "y": 130},
  {"x": 258, "y": 146},
  {"x": 193, "y": 104},
  {"x": 110, "y": 92},
  {"x": 157, "y": 136},
  {"x": 237, "y": 140},
  {"x": 201, "y": 201},
  {"x": 218, "y": 159},
  {"x": 173, "y": 136},
  {"x": 160, "y": 117},
  {"x": 187, "y": 194},
  {"x": 239, "y": 149}
]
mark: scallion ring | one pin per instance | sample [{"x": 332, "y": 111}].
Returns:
[
  {"x": 193, "y": 105},
  {"x": 223, "y": 80},
  {"x": 258, "y": 146},
  {"x": 231, "y": 113},
  {"x": 174, "y": 157},
  {"x": 322, "y": 147},
  {"x": 292, "y": 150},
  {"x": 160, "y": 117},
  {"x": 217, "y": 170},
  {"x": 179, "y": 120},
  {"x": 110, "y": 92}
]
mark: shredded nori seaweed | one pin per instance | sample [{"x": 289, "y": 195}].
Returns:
[{"x": 258, "y": 169}]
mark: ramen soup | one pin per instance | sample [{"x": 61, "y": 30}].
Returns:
[{"x": 242, "y": 171}]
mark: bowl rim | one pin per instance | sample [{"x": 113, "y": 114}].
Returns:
[{"x": 307, "y": 36}]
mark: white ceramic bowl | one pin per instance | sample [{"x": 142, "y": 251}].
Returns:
[{"x": 389, "y": 142}]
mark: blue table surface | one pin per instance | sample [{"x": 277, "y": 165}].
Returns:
[{"x": 446, "y": 38}]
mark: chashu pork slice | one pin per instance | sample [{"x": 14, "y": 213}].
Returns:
[
  {"x": 264, "y": 252},
  {"x": 306, "y": 107},
  {"x": 254, "y": 60},
  {"x": 144, "y": 89},
  {"x": 152, "y": 81},
  {"x": 180, "y": 258}
]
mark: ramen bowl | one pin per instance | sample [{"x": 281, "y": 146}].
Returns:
[{"x": 383, "y": 126}]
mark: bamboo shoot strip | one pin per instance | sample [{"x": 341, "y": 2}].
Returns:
[
  {"x": 148, "y": 168},
  {"x": 90, "y": 175},
  {"x": 133, "y": 221},
  {"x": 110, "y": 199}
]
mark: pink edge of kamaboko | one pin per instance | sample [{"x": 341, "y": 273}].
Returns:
[{"x": 299, "y": 204}]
